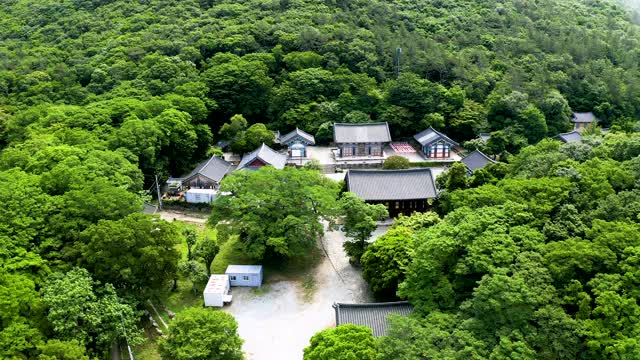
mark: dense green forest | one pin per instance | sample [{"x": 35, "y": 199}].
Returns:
[
  {"x": 539, "y": 260},
  {"x": 98, "y": 96}
]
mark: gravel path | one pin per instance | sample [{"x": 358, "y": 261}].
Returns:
[
  {"x": 171, "y": 215},
  {"x": 279, "y": 323}
]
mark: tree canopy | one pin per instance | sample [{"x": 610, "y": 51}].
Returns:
[
  {"x": 202, "y": 334},
  {"x": 99, "y": 97},
  {"x": 344, "y": 342},
  {"x": 276, "y": 213}
]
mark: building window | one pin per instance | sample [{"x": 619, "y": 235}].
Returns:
[
  {"x": 397, "y": 204},
  {"x": 347, "y": 151},
  {"x": 245, "y": 278},
  {"x": 232, "y": 278}
]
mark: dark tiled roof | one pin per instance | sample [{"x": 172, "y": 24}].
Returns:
[
  {"x": 373, "y": 315},
  {"x": 361, "y": 133},
  {"x": 306, "y": 137},
  {"x": 266, "y": 155},
  {"x": 573, "y": 136},
  {"x": 586, "y": 117},
  {"x": 411, "y": 184},
  {"x": 476, "y": 160},
  {"x": 215, "y": 169},
  {"x": 430, "y": 136}
]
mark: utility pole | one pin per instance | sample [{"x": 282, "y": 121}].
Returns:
[
  {"x": 159, "y": 195},
  {"x": 397, "y": 61}
]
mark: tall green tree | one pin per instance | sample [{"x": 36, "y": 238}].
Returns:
[
  {"x": 207, "y": 248},
  {"x": 276, "y": 213},
  {"x": 136, "y": 254},
  {"x": 343, "y": 342},
  {"x": 359, "y": 221},
  {"x": 202, "y": 334}
]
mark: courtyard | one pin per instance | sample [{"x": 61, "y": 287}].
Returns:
[{"x": 277, "y": 321}]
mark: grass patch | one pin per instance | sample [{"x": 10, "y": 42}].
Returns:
[
  {"x": 147, "y": 351},
  {"x": 295, "y": 268},
  {"x": 231, "y": 252},
  {"x": 309, "y": 286}
]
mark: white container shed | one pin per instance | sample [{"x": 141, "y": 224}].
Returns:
[
  {"x": 216, "y": 293},
  {"x": 245, "y": 275},
  {"x": 201, "y": 195}
]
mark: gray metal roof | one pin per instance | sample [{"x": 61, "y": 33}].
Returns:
[
  {"x": 430, "y": 136},
  {"x": 361, "y": 133},
  {"x": 243, "y": 269},
  {"x": 476, "y": 160},
  {"x": 585, "y": 117},
  {"x": 372, "y": 315},
  {"x": 573, "y": 136},
  {"x": 215, "y": 169},
  {"x": 297, "y": 133},
  {"x": 484, "y": 136},
  {"x": 266, "y": 155},
  {"x": 410, "y": 184}
]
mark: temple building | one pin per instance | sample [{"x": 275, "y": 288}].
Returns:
[
  {"x": 582, "y": 120},
  {"x": 401, "y": 191},
  {"x": 434, "y": 144},
  {"x": 262, "y": 156},
  {"x": 365, "y": 140},
  {"x": 297, "y": 142}
]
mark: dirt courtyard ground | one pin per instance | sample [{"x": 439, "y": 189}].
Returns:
[{"x": 277, "y": 324}]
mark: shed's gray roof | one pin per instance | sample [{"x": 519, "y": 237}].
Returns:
[
  {"x": 361, "y": 133},
  {"x": 484, "y": 136},
  {"x": 373, "y": 315},
  {"x": 476, "y": 160},
  {"x": 243, "y": 269},
  {"x": 585, "y": 117},
  {"x": 266, "y": 155},
  {"x": 430, "y": 136},
  {"x": 215, "y": 169},
  {"x": 306, "y": 137},
  {"x": 573, "y": 136},
  {"x": 410, "y": 184}
]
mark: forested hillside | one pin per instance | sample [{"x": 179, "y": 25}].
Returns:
[
  {"x": 130, "y": 75},
  {"x": 97, "y": 97},
  {"x": 540, "y": 262}
]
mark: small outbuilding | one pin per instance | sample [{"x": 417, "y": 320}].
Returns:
[
  {"x": 434, "y": 144},
  {"x": 245, "y": 275},
  {"x": 372, "y": 315},
  {"x": 573, "y": 136},
  {"x": 208, "y": 174},
  {"x": 297, "y": 142},
  {"x": 262, "y": 156},
  {"x": 195, "y": 196},
  {"x": 582, "y": 120},
  {"x": 476, "y": 160},
  {"x": 216, "y": 293}
]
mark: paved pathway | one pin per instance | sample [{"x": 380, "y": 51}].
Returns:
[{"x": 278, "y": 324}]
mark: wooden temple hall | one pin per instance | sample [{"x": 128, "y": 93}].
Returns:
[
  {"x": 365, "y": 140},
  {"x": 401, "y": 191}
]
